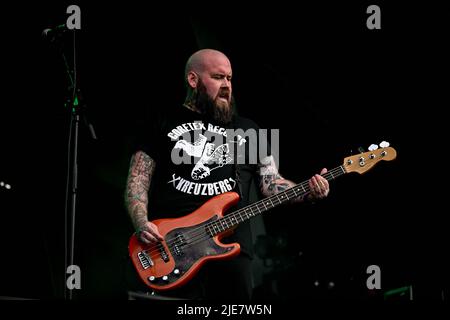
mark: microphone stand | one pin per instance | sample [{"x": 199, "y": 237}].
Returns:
[{"x": 77, "y": 111}]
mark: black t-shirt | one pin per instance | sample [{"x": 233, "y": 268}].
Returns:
[{"x": 197, "y": 159}]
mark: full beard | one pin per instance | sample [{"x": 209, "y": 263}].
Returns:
[{"x": 217, "y": 109}]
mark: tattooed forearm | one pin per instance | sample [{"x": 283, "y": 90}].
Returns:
[
  {"x": 271, "y": 182},
  {"x": 138, "y": 183}
]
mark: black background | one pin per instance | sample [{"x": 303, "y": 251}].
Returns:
[{"x": 315, "y": 72}]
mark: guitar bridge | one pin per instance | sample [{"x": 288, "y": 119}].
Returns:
[{"x": 145, "y": 260}]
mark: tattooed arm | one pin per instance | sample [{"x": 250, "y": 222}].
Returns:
[
  {"x": 271, "y": 182},
  {"x": 136, "y": 196}
]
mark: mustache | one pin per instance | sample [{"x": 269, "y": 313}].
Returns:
[{"x": 224, "y": 93}]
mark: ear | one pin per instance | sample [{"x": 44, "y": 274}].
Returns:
[{"x": 192, "y": 79}]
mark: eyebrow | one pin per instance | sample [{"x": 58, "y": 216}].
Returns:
[{"x": 222, "y": 74}]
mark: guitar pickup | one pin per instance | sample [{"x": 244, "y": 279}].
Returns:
[
  {"x": 145, "y": 260},
  {"x": 177, "y": 247},
  {"x": 164, "y": 254}
]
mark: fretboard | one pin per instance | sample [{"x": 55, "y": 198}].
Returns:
[{"x": 234, "y": 218}]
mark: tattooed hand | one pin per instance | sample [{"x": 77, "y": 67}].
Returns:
[
  {"x": 319, "y": 186},
  {"x": 148, "y": 233}
]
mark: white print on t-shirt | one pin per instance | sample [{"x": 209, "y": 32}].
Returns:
[
  {"x": 204, "y": 189},
  {"x": 210, "y": 157},
  {"x": 209, "y": 150},
  {"x": 175, "y": 133}
]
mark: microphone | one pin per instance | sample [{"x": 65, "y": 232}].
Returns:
[{"x": 52, "y": 34}]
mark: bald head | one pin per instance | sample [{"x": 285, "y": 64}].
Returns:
[
  {"x": 205, "y": 59},
  {"x": 208, "y": 78}
]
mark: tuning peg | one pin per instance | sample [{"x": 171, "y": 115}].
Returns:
[
  {"x": 373, "y": 147},
  {"x": 384, "y": 144},
  {"x": 361, "y": 150}
]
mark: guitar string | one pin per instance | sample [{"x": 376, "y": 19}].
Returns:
[
  {"x": 194, "y": 234},
  {"x": 338, "y": 171},
  {"x": 200, "y": 231},
  {"x": 228, "y": 218},
  {"x": 202, "y": 236}
]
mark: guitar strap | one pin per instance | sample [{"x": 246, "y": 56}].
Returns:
[
  {"x": 237, "y": 175},
  {"x": 236, "y": 167}
]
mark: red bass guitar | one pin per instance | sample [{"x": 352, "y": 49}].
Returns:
[{"x": 192, "y": 240}]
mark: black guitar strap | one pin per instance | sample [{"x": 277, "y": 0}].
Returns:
[
  {"x": 236, "y": 167},
  {"x": 237, "y": 175}
]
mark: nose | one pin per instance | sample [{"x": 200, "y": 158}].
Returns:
[{"x": 226, "y": 83}]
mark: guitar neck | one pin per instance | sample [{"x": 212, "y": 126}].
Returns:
[{"x": 237, "y": 217}]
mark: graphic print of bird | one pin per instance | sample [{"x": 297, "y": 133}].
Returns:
[{"x": 208, "y": 154}]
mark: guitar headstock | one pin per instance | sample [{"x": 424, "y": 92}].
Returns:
[{"x": 364, "y": 161}]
